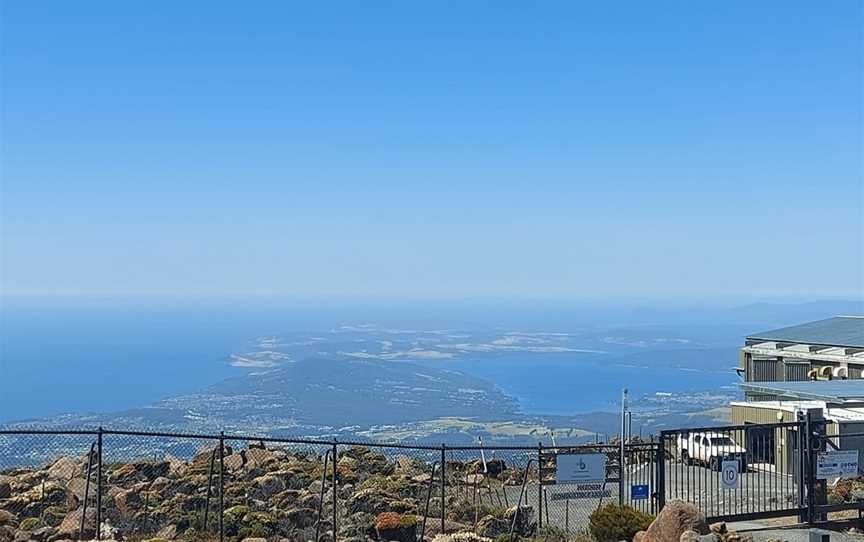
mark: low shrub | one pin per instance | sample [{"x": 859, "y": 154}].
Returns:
[{"x": 612, "y": 523}]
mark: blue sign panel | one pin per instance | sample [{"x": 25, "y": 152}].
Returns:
[{"x": 639, "y": 493}]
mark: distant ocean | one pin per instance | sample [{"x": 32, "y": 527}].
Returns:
[
  {"x": 100, "y": 358},
  {"x": 565, "y": 384}
]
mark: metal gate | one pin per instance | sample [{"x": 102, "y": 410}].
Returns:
[{"x": 736, "y": 472}]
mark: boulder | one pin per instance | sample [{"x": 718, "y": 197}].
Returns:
[
  {"x": 75, "y": 492},
  {"x": 160, "y": 484},
  {"x": 370, "y": 500},
  {"x": 53, "y": 515},
  {"x": 63, "y": 469},
  {"x": 525, "y": 523},
  {"x": 301, "y": 517},
  {"x": 689, "y": 536},
  {"x": 391, "y": 526},
  {"x": 433, "y": 527},
  {"x": 675, "y": 518},
  {"x": 265, "y": 487},
  {"x": 141, "y": 471},
  {"x": 128, "y": 501},
  {"x": 257, "y": 457},
  {"x": 492, "y": 527},
  {"x": 42, "y": 533},
  {"x": 464, "y": 536},
  {"x": 68, "y": 528},
  {"x": 168, "y": 532},
  {"x": 233, "y": 462},
  {"x": 176, "y": 467},
  {"x": 6, "y": 517},
  {"x": 5, "y": 487},
  {"x": 494, "y": 467}
]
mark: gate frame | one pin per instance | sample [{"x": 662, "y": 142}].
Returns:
[{"x": 804, "y": 459}]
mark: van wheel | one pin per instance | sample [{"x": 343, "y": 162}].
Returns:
[
  {"x": 715, "y": 464},
  {"x": 685, "y": 458}
]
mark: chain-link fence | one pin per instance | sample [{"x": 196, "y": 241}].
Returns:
[{"x": 137, "y": 485}]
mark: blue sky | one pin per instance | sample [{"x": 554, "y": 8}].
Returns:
[{"x": 555, "y": 149}]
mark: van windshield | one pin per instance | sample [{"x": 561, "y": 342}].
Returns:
[{"x": 722, "y": 441}]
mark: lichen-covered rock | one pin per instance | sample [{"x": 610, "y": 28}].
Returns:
[
  {"x": 370, "y": 501},
  {"x": 392, "y": 526}
]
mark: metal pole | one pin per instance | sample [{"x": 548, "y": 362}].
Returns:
[
  {"x": 661, "y": 472},
  {"x": 221, "y": 485},
  {"x": 540, "y": 485},
  {"x": 335, "y": 496},
  {"x": 621, "y": 468},
  {"x": 443, "y": 482},
  {"x": 209, "y": 491},
  {"x": 567, "y": 517},
  {"x": 321, "y": 496},
  {"x": 87, "y": 489},
  {"x": 629, "y": 425},
  {"x": 99, "y": 485}
]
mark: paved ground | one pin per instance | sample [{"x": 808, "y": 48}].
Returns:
[
  {"x": 799, "y": 535},
  {"x": 756, "y": 491}
]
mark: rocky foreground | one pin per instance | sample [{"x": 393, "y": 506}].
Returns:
[{"x": 268, "y": 493}]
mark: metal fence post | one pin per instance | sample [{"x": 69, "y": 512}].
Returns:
[
  {"x": 801, "y": 477},
  {"x": 221, "y": 485},
  {"x": 99, "y": 485},
  {"x": 335, "y": 451},
  {"x": 660, "y": 458},
  {"x": 539, "y": 485},
  {"x": 443, "y": 483}
]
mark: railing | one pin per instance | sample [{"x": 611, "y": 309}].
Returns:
[
  {"x": 100, "y": 483},
  {"x": 138, "y": 484}
]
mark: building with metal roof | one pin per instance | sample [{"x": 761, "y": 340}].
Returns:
[
  {"x": 787, "y": 371},
  {"x": 834, "y": 393},
  {"x": 828, "y": 349}
]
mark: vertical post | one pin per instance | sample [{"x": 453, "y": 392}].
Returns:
[
  {"x": 567, "y": 517},
  {"x": 802, "y": 444},
  {"x": 629, "y": 425},
  {"x": 660, "y": 483},
  {"x": 621, "y": 468},
  {"x": 221, "y": 485},
  {"x": 540, "y": 485},
  {"x": 99, "y": 485},
  {"x": 335, "y": 451},
  {"x": 817, "y": 490},
  {"x": 443, "y": 483}
]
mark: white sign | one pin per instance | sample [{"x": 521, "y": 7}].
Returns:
[
  {"x": 729, "y": 473},
  {"x": 580, "y": 468},
  {"x": 836, "y": 463}
]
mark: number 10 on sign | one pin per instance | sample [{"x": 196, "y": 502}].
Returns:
[{"x": 729, "y": 472}]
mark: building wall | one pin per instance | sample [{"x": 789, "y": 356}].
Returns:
[{"x": 784, "y": 439}]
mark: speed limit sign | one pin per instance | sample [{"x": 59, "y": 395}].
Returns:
[{"x": 729, "y": 474}]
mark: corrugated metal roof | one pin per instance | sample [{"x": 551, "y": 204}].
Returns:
[
  {"x": 842, "y": 331},
  {"x": 832, "y": 391}
]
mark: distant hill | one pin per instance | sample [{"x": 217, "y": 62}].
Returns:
[{"x": 332, "y": 391}]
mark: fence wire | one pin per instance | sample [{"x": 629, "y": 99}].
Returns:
[{"x": 139, "y": 485}]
